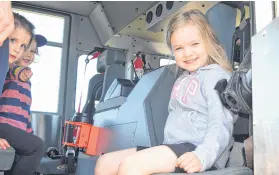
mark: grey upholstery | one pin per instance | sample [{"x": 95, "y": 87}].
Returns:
[
  {"x": 95, "y": 88},
  {"x": 116, "y": 95},
  {"x": 236, "y": 156},
  {"x": 109, "y": 57},
  {"x": 112, "y": 61},
  {"x": 110, "y": 104},
  {"x": 112, "y": 72},
  {"x": 6, "y": 158},
  {"x": 223, "y": 18},
  {"x": 156, "y": 104},
  {"x": 92, "y": 83},
  {"x": 132, "y": 124}
]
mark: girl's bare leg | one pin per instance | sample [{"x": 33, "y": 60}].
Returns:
[
  {"x": 159, "y": 159},
  {"x": 108, "y": 163}
]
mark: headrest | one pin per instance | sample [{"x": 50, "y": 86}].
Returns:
[
  {"x": 109, "y": 57},
  {"x": 222, "y": 18}
]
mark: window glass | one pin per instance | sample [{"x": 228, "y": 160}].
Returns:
[
  {"x": 52, "y": 27},
  {"x": 47, "y": 66},
  {"x": 164, "y": 61}
]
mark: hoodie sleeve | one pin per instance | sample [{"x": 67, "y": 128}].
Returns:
[{"x": 220, "y": 122}]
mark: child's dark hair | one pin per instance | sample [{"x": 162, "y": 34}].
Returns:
[{"x": 21, "y": 21}]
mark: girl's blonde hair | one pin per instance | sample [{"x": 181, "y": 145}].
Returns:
[{"x": 213, "y": 47}]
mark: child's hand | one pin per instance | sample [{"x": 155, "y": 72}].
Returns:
[
  {"x": 189, "y": 162},
  {"x": 26, "y": 74},
  {"x": 6, "y": 21},
  {"x": 4, "y": 144}
]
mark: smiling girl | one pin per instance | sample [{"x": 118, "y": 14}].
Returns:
[
  {"x": 16, "y": 98},
  {"x": 199, "y": 128}
]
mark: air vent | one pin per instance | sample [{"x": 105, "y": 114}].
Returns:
[
  {"x": 159, "y": 10},
  {"x": 149, "y": 17},
  {"x": 169, "y": 5}
]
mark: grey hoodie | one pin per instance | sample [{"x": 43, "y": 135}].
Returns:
[{"x": 197, "y": 116}]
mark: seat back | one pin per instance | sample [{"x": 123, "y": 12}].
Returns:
[
  {"x": 109, "y": 67},
  {"x": 242, "y": 125},
  {"x": 113, "y": 62},
  {"x": 156, "y": 104},
  {"x": 95, "y": 87},
  {"x": 133, "y": 123},
  {"x": 222, "y": 17},
  {"x": 116, "y": 95}
]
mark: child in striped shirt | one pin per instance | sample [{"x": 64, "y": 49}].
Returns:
[
  {"x": 16, "y": 99},
  {"x": 29, "y": 149}
]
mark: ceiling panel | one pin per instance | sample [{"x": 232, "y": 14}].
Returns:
[{"x": 78, "y": 7}]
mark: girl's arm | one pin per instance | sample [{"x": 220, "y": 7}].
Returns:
[
  {"x": 220, "y": 123},
  {"x": 19, "y": 73}
]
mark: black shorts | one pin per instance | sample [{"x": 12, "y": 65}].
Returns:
[{"x": 178, "y": 149}]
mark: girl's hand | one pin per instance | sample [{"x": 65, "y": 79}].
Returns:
[
  {"x": 4, "y": 144},
  {"x": 189, "y": 162},
  {"x": 26, "y": 75}
]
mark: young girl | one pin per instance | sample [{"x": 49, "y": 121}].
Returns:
[
  {"x": 16, "y": 94},
  {"x": 20, "y": 38},
  {"x": 29, "y": 55},
  {"x": 199, "y": 128},
  {"x": 15, "y": 107},
  {"x": 29, "y": 148}
]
